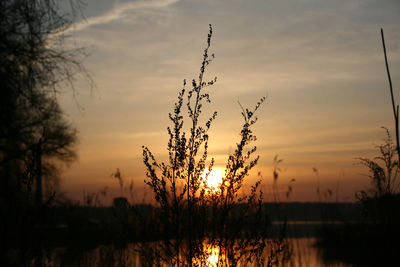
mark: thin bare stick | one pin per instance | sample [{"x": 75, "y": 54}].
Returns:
[{"x": 394, "y": 106}]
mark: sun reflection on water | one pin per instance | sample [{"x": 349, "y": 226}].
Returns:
[{"x": 212, "y": 253}]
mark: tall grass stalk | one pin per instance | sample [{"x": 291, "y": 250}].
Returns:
[{"x": 394, "y": 105}]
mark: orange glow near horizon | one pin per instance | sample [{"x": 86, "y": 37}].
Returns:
[{"x": 322, "y": 111}]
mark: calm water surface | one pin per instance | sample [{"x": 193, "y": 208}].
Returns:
[{"x": 303, "y": 253}]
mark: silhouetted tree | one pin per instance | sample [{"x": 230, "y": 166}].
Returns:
[{"x": 34, "y": 67}]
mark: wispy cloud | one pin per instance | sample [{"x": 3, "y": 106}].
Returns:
[{"x": 117, "y": 12}]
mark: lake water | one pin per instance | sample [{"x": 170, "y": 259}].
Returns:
[{"x": 303, "y": 253}]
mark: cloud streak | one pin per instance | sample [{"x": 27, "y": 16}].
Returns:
[{"x": 117, "y": 12}]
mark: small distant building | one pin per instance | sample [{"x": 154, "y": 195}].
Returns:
[
  {"x": 120, "y": 203},
  {"x": 121, "y": 209}
]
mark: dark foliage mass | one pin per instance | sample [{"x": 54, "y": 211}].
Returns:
[{"x": 34, "y": 136}]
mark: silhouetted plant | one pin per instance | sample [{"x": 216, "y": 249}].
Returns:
[
  {"x": 380, "y": 203},
  {"x": 374, "y": 240},
  {"x": 382, "y": 199},
  {"x": 196, "y": 220},
  {"x": 384, "y": 169},
  {"x": 118, "y": 176},
  {"x": 94, "y": 199}
]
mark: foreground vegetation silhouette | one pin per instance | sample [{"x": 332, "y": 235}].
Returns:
[
  {"x": 196, "y": 221},
  {"x": 375, "y": 240}
]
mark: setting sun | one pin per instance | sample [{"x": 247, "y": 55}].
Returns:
[{"x": 214, "y": 179}]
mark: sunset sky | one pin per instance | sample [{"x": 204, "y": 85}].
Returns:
[{"x": 320, "y": 64}]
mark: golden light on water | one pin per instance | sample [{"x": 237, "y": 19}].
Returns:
[
  {"x": 213, "y": 256},
  {"x": 214, "y": 178}
]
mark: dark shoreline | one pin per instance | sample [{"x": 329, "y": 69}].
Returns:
[{"x": 92, "y": 226}]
